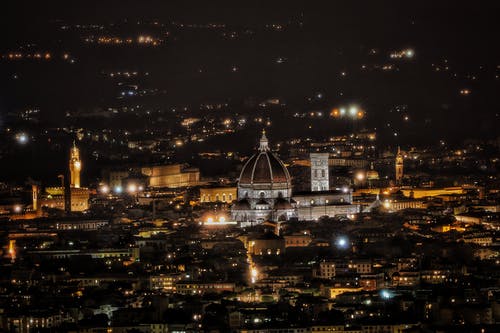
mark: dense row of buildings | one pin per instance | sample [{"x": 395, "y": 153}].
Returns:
[{"x": 287, "y": 247}]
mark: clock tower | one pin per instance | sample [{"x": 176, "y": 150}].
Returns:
[{"x": 75, "y": 166}]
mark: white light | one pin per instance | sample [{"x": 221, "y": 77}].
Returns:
[
  {"x": 22, "y": 138},
  {"x": 210, "y": 220},
  {"x": 105, "y": 189},
  {"x": 17, "y": 208},
  {"x": 342, "y": 242},
  {"x": 385, "y": 294},
  {"x": 353, "y": 111},
  {"x": 118, "y": 189},
  {"x": 222, "y": 219},
  {"x": 342, "y": 111}
]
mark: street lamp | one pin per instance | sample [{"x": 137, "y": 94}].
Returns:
[{"x": 104, "y": 189}]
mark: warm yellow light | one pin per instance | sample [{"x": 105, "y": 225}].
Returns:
[
  {"x": 132, "y": 188},
  {"x": 254, "y": 273},
  {"x": 360, "y": 176},
  {"x": 105, "y": 189}
]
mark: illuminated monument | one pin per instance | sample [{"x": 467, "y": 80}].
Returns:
[
  {"x": 319, "y": 172},
  {"x": 75, "y": 166},
  {"x": 399, "y": 167},
  {"x": 56, "y": 197},
  {"x": 264, "y": 189}
]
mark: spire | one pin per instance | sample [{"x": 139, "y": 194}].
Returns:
[
  {"x": 264, "y": 143},
  {"x": 399, "y": 150}
]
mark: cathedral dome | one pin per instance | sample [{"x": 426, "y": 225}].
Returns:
[{"x": 264, "y": 168}]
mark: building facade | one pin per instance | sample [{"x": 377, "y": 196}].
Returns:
[
  {"x": 218, "y": 194},
  {"x": 319, "y": 172}
]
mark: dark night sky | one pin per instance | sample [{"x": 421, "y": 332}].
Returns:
[{"x": 335, "y": 35}]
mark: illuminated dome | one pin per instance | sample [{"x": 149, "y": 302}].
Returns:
[
  {"x": 264, "y": 189},
  {"x": 264, "y": 168}
]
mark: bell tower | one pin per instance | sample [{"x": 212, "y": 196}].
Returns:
[
  {"x": 399, "y": 167},
  {"x": 75, "y": 166},
  {"x": 319, "y": 172}
]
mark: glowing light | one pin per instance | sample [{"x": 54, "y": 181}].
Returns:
[
  {"x": 17, "y": 208},
  {"x": 360, "y": 176},
  {"x": 210, "y": 220},
  {"x": 254, "y": 273},
  {"x": 12, "y": 249},
  {"x": 342, "y": 111},
  {"x": 132, "y": 188},
  {"x": 386, "y": 294},
  {"x": 118, "y": 189},
  {"x": 104, "y": 189},
  {"x": 342, "y": 242},
  {"x": 222, "y": 219},
  {"x": 353, "y": 110},
  {"x": 22, "y": 138}
]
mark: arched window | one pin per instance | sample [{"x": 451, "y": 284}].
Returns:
[{"x": 224, "y": 197}]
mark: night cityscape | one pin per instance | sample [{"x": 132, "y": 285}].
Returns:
[{"x": 250, "y": 166}]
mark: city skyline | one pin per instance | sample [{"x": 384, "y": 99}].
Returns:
[{"x": 249, "y": 167}]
